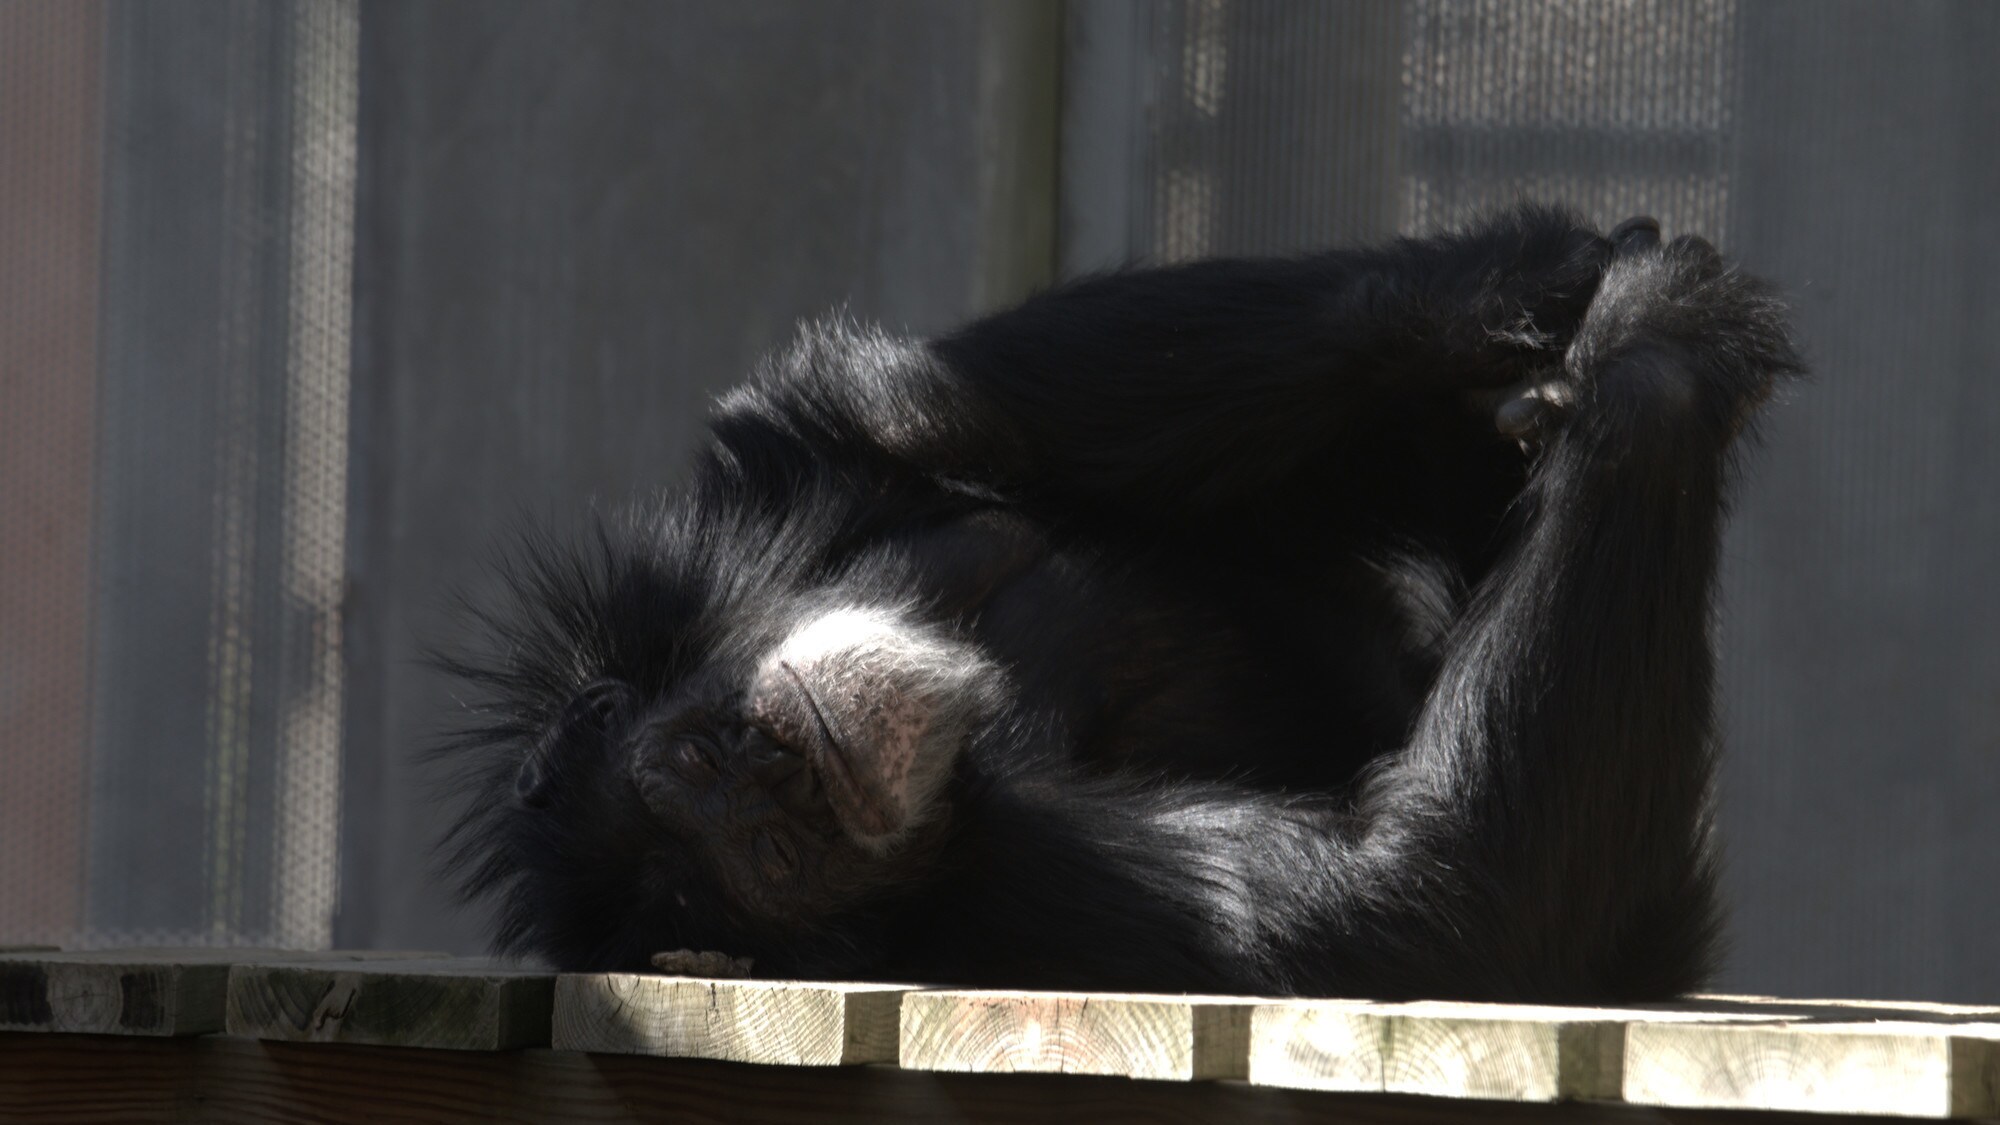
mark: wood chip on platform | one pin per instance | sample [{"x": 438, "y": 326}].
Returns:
[
  {"x": 1132, "y": 1036},
  {"x": 454, "y": 1003},
  {"x": 1933, "y": 1068},
  {"x": 132, "y": 991},
  {"x": 788, "y": 1023}
]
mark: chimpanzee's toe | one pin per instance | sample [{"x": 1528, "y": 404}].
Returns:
[
  {"x": 1640, "y": 232},
  {"x": 1529, "y": 413},
  {"x": 1520, "y": 417}
]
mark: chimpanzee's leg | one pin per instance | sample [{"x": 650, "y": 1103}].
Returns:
[{"x": 1564, "y": 754}]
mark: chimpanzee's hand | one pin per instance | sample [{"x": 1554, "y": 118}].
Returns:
[{"x": 1507, "y": 299}]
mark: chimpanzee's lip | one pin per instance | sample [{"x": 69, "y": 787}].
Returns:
[{"x": 829, "y": 756}]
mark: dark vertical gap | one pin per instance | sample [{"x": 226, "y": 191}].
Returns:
[{"x": 372, "y": 431}]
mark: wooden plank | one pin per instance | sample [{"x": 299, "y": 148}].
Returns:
[
  {"x": 791, "y": 1023},
  {"x": 224, "y": 1080},
  {"x": 132, "y": 991},
  {"x": 1502, "y": 1052},
  {"x": 467, "y": 1004},
  {"x": 1130, "y": 1036},
  {"x": 1928, "y": 1069}
]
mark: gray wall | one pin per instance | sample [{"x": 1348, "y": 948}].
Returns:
[{"x": 1863, "y": 629}]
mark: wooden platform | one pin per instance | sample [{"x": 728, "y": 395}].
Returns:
[{"x": 220, "y": 1035}]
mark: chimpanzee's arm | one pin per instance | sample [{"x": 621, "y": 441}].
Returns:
[
  {"x": 1203, "y": 381},
  {"x": 1544, "y": 832}
]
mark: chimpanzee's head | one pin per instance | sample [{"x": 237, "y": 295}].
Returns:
[{"x": 713, "y": 727}]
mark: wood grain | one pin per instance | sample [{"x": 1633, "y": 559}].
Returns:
[
  {"x": 790, "y": 1023},
  {"x": 452, "y": 1003},
  {"x": 1130, "y": 1036},
  {"x": 132, "y": 991},
  {"x": 1507, "y": 1052},
  {"x": 1916, "y": 1069},
  {"x": 1438, "y": 1049}
]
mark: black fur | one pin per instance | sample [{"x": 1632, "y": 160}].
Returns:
[{"x": 1305, "y": 679}]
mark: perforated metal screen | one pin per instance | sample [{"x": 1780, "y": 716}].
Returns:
[{"x": 174, "y": 309}]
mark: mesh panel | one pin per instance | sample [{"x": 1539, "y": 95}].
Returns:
[
  {"x": 173, "y": 563},
  {"x": 1281, "y": 125},
  {"x": 49, "y": 105},
  {"x": 1250, "y": 152},
  {"x": 1618, "y": 109}
]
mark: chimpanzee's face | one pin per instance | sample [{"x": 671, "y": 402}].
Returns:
[
  {"x": 827, "y": 751},
  {"x": 771, "y": 787}
]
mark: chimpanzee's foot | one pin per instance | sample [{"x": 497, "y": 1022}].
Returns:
[{"x": 1533, "y": 409}]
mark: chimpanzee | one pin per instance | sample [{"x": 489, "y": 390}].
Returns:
[{"x": 1331, "y": 625}]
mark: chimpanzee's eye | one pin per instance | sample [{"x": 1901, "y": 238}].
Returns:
[
  {"x": 694, "y": 761},
  {"x": 766, "y": 754}
]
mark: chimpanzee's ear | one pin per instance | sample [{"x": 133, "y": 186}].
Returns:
[{"x": 593, "y": 716}]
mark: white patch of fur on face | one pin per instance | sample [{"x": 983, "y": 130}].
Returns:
[
  {"x": 921, "y": 658},
  {"x": 901, "y": 697},
  {"x": 841, "y": 630}
]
